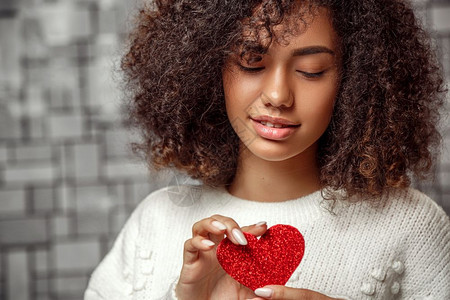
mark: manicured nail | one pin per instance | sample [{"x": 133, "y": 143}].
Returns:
[
  {"x": 208, "y": 243},
  {"x": 219, "y": 225},
  {"x": 264, "y": 292},
  {"x": 239, "y": 236},
  {"x": 261, "y": 223}
]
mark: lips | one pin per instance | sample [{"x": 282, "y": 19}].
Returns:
[
  {"x": 274, "y": 121},
  {"x": 276, "y": 125},
  {"x": 273, "y": 128}
]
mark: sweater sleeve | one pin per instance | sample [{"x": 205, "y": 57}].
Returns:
[
  {"x": 427, "y": 275},
  {"x": 113, "y": 277},
  {"x": 126, "y": 271}
]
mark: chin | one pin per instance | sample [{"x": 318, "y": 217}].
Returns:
[{"x": 274, "y": 152}]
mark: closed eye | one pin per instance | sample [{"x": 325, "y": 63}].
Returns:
[
  {"x": 250, "y": 70},
  {"x": 311, "y": 75},
  {"x": 258, "y": 69}
]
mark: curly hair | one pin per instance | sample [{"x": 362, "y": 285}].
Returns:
[{"x": 384, "y": 124}]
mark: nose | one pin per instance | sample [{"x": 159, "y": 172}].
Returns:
[{"x": 277, "y": 92}]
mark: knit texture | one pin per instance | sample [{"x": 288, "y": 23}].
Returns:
[{"x": 400, "y": 250}]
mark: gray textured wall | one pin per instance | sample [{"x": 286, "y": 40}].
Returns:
[{"x": 67, "y": 179}]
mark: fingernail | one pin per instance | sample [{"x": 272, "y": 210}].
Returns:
[
  {"x": 208, "y": 242},
  {"x": 261, "y": 223},
  {"x": 239, "y": 236},
  {"x": 264, "y": 292},
  {"x": 219, "y": 225}
]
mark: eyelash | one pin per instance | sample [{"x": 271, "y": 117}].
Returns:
[
  {"x": 306, "y": 74},
  {"x": 250, "y": 70},
  {"x": 312, "y": 75}
]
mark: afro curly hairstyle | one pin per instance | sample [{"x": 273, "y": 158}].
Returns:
[{"x": 384, "y": 124}]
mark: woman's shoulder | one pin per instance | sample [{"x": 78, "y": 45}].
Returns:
[
  {"x": 414, "y": 210},
  {"x": 413, "y": 201},
  {"x": 400, "y": 210},
  {"x": 172, "y": 196},
  {"x": 180, "y": 198}
]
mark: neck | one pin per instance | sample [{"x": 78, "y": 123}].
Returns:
[{"x": 257, "y": 179}]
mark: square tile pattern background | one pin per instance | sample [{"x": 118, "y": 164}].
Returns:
[{"x": 67, "y": 179}]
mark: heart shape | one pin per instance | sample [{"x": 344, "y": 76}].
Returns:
[{"x": 271, "y": 259}]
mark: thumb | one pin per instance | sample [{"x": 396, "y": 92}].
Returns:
[
  {"x": 257, "y": 229},
  {"x": 280, "y": 292}
]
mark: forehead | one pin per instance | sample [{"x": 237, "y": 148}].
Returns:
[
  {"x": 302, "y": 25},
  {"x": 315, "y": 29}
]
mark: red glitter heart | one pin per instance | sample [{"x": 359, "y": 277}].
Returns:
[{"x": 271, "y": 259}]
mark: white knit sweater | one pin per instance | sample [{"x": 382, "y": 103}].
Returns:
[{"x": 398, "y": 251}]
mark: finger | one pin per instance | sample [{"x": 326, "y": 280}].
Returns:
[
  {"x": 280, "y": 292},
  {"x": 257, "y": 229},
  {"x": 193, "y": 246},
  {"x": 208, "y": 226},
  {"x": 233, "y": 231}
]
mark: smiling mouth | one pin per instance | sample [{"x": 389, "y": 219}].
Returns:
[
  {"x": 274, "y": 129},
  {"x": 268, "y": 124},
  {"x": 273, "y": 122}
]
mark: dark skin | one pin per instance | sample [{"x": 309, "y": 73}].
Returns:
[{"x": 305, "y": 99}]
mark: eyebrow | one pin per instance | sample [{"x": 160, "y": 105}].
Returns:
[{"x": 311, "y": 50}]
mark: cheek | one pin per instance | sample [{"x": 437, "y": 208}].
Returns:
[
  {"x": 317, "y": 102},
  {"x": 239, "y": 95},
  {"x": 232, "y": 103}
]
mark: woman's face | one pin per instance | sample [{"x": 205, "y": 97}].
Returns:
[{"x": 282, "y": 104}]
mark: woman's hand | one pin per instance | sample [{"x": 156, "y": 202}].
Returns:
[
  {"x": 201, "y": 276},
  {"x": 280, "y": 292}
]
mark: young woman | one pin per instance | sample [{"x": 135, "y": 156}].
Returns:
[{"x": 311, "y": 113}]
